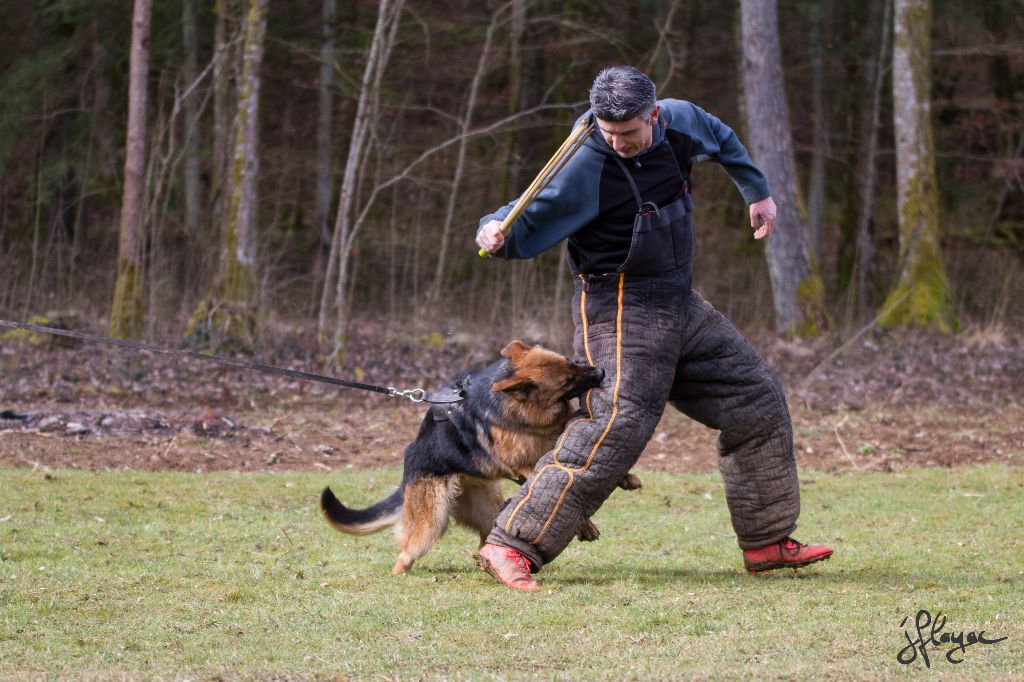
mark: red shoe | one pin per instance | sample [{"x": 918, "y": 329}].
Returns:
[
  {"x": 510, "y": 567},
  {"x": 787, "y": 553}
]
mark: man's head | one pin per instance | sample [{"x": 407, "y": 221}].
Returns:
[{"x": 623, "y": 101}]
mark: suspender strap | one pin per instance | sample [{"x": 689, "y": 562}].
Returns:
[
  {"x": 683, "y": 178},
  {"x": 632, "y": 183}
]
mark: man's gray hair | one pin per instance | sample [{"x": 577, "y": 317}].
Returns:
[{"x": 620, "y": 93}]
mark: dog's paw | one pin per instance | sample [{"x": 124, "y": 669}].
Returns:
[
  {"x": 631, "y": 482},
  {"x": 402, "y": 565},
  {"x": 588, "y": 532}
]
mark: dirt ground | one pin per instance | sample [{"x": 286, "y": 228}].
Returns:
[{"x": 882, "y": 401}]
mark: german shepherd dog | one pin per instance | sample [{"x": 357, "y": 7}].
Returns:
[{"x": 513, "y": 412}]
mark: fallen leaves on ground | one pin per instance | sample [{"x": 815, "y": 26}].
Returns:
[{"x": 882, "y": 402}]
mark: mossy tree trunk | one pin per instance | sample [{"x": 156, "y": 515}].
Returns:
[
  {"x": 227, "y": 315},
  {"x": 126, "y": 313},
  {"x": 922, "y": 295},
  {"x": 225, "y": 63},
  {"x": 797, "y": 289}
]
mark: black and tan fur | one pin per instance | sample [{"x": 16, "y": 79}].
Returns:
[{"x": 514, "y": 411}]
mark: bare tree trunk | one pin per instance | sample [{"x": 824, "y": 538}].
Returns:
[
  {"x": 106, "y": 147},
  {"x": 417, "y": 240},
  {"x": 393, "y": 275},
  {"x": 126, "y": 314},
  {"x": 511, "y": 165},
  {"x": 193, "y": 200},
  {"x": 864, "y": 252},
  {"x": 324, "y": 140},
  {"x": 460, "y": 159},
  {"x": 921, "y": 296},
  {"x": 663, "y": 63},
  {"x": 560, "y": 321},
  {"x": 816, "y": 186},
  {"x": 37, "y": 213},
  {"x": 343, "y": 238},
  {"x": 157, "y": 164},
  {"x": 797, "y": 289}
]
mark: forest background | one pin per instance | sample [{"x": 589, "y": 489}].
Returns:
[
  {"x": 339, "y": 154},
  {"x": 300, "y": 181}
]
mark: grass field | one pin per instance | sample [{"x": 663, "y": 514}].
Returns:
[{"x": 236, "y": 576}]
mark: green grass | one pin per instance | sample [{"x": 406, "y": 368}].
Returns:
[{"x": 140, "y": 575}]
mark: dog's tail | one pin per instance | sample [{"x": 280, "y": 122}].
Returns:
[{"x": 362, "y": 521}]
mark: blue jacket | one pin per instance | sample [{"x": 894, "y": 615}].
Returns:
[{"x": 590, "y": 201}]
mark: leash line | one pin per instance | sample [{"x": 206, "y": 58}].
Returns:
[{"x": 416, "y": 395}]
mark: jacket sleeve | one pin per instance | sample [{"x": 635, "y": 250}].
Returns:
[
  {"x": 715, "y": 141},
  {"x": 568, "y": 203}
]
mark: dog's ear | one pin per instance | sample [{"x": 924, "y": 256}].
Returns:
[
  {"x": 515, "y": 350},
  {"x": 514, "y": 384}
]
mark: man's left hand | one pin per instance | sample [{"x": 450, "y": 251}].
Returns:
[{"x": 762, "y": 217}]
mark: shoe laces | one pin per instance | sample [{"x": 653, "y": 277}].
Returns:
[
  {"x": 518, "y": 559},
  {"x": 791, "y": 545}
]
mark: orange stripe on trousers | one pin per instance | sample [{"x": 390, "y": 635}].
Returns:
[{"x": 608, "y": 427}]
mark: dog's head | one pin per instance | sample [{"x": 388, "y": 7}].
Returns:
[{"x": 543, "y": 379}]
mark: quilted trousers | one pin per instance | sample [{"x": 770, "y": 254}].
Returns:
[{"x": 659, "y": 342}]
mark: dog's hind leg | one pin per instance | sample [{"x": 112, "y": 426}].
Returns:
[
  {"x": 478, "y": 504},
  {"x": 428, "y": 502},
  {"x": 631, "y": 482},
  {"x": 588, "y": 532}
]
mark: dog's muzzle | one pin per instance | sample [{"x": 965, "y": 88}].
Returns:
[{"x": 592, "y": 379}]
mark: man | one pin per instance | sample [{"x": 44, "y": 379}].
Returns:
[{"x": 624, "y": 204}]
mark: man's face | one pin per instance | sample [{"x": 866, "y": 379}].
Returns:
[{"x": 629, "y": 138}]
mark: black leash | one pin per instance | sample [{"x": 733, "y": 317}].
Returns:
[{"x": 417, "y": 395}]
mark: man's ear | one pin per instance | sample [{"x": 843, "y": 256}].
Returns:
[
  {"x": 515, "y": 350},
  {"x": 513, "y": 384}
]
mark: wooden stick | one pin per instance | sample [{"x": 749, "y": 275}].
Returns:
[{"x": 553, "y": 167}]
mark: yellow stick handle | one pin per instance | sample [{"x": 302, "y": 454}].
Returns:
[{"x": 555, "y": 164}]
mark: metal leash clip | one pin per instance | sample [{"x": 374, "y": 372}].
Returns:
[{"x": 416, "y": 394}]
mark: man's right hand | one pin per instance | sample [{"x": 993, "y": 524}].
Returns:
[{"x": 489, "y": 237}]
